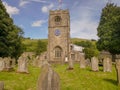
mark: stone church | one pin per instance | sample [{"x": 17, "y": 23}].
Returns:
[
  {"x": 60, "y": 49},
  {"x": 58, "y": 35}
]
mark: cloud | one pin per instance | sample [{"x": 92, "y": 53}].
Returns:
[
  {"x": 84, "y": 29},
  {"x": 10, "y": 9},
  {"x": 38, "y": 23},
  {"x": 45, "y": 9},
  {"x": 83, "y": 24},
  {"x": 24, "y": 2},
  {"x": 86, "y": 17}
]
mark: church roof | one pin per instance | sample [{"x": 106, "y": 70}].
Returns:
[{"x": 77, "y": 48}]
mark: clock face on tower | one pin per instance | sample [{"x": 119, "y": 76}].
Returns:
[{"x": 57, "y": 32}]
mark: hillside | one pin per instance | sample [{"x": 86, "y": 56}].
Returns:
[{"x": 30, "y": 44}]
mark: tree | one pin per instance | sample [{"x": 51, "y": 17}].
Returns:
[
  {"x": 10, "y": 35},
  {"x": 109, "y": 29},
  {"x": 90, "y": 48},
  {"x": 41, "y": 47},
  {"x": 16, "y": 42}
]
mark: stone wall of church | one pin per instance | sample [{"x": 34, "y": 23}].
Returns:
[{"x": 63, "y": 39}]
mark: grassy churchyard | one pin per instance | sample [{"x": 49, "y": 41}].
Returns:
[{"x": 77, "y": 79}]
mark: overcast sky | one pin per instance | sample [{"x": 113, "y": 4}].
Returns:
[{"x": 32, "y": 16}]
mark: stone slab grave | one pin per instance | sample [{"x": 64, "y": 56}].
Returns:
[
  {"x": 107, "y": 65},
  {"x": 70, "y": 62},
  {"x": 38, "y": 60},
  {"x": 6, "y": 64},
  {"x": 48, "y": 79},
  {"x": 2, "y": 64},
  {"x": 106, "y": 57},
  {"x": 88, "y": 63},
  {"x": 94, "y": 64},
  {"x": 82, "y": 60},
  {"x": 70, "y": 65},
  {"x": 23, "y": 64},
  {"x": 1, "y": 85}
]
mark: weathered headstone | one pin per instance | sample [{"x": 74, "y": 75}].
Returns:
[
  {"x": 8, "y": 67},
  {"x": 40, "y": 59},
  {"x": 23, "y": 64},
  {"x": 49, "y": 79},
  {"x": 70, "y": 67},
  {"x": 35, "y": 61},
  {"x": 107, "y": 65},
  {"x": 1, "y": 85},
  {"x": 2, "y": 64},
  {"x": 87, "y": 61},
  {"x": 70, "y": 64},
  {"x": 94, "y": 64},
  {"x": 118, "y": 68},
  {"x": 82, "y": 60},
  {"x": 13, "y": 62},
  {"x": 5, "y": 64}
]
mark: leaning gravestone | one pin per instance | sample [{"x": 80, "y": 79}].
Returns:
[
  {"x": 107, "y": 65},
  {"x": 1, "y": 85},
  {"x": 23, "y": 64},
  {"x": 94, "y": 64},
  {"x": 118, "y": 68},
  {"x": 82, "y": 60},
  {"x": 49, "y": 79}
]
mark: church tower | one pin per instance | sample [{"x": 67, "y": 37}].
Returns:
[{"x": 58, "y": 35}]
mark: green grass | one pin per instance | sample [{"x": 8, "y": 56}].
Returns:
[
  {"x": 85, "y": 79},
  {"x": 19, "y": 81},
  {"x": 77, "y": 79}
]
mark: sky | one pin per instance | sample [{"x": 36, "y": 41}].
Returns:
[{"x": 32, "y": 16}]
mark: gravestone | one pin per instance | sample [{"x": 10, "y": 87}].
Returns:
[
  {"x": 88, "y": 63},
  {"x": 94, "y": 64},
  {"x": 38, "y": 60},
  {"x": 49, "y": 79},
  {"x": 118, "y": 68},
  {"x": 23, "y": 64},
  {"x": 2, "y": 64},
  {"x": 71, "y": 62},
  {"x": 1, "y": 85},
  {"x": 35, "y": 61},
  {"x": 107, "y": 65},
  {"x": 82, "y": 60},
  {"x": 5, "y": 64},
  {"x": 8, "y": 66}
]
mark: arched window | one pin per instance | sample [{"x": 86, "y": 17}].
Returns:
[
  {"x": 58, "y": 52},
  {"x": 57, "y": 18}
]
